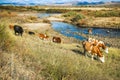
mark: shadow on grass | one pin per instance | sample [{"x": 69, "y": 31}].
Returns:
[
  {"x": 77, "y": 51},
  {"x": 82, "y": 53}
]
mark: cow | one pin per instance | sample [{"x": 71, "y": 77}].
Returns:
[
  {"x": 89, "y": 31},
  {"x": 18, "y": 29},
  {"x": 31, "y": 33},
  {"x": 99, "y": 44},
  {"x": 56, "y": 39},
  {"x": 43, "y": 36},
  {"x": 93, "y": 50}
]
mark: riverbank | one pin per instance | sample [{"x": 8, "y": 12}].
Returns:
[
  {"x": 43, "y": 26},
  {"x": 110, "y": 22}
]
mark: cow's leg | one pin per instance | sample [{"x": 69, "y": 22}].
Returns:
[
  {"x": 85, "y": 53},
  {"x": 92, "y": 57},
  {"x": 15, "y": 32},
  {"x": 21, "y": 34}
]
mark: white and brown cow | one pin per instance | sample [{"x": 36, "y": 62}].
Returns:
[
  {"x": 93, "y": 50},
  {"x": 99, "y": 44}
]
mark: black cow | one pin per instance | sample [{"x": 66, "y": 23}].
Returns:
[
  {"x": 31, "y": 33},
  {"x": 18, "y": 29}
]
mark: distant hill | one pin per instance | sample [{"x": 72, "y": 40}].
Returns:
[
  {"x": 20, "y": 4},
  {"x": 88, "y": 3},
  {"x": 73, "y": 3},
  {"x": 112, "y": 4}
]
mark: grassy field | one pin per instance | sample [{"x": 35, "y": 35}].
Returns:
[{"x": 30, "y": 58}]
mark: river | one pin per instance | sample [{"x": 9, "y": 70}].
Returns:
[{"x": 70, "y": 30}]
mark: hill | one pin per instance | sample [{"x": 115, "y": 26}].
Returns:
[{"x": 72, "y": 3}]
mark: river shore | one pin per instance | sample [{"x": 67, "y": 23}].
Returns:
[{"x": 46, "y": 28}]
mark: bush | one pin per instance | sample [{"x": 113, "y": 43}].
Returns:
[
  {"x": 78, "y": 17},
  {"x": 46, "y": 21},
  {"x": 32, "y": 18},
  {"x": 70, "y": 14}
]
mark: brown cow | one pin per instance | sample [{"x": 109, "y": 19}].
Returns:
[
  {"x": 43, "y": 36},
  {"x": 93, "y": 50},
  {"x": 56, "y": 39}
]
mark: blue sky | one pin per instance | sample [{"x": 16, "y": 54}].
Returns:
[{"x": 49, "y": 1}]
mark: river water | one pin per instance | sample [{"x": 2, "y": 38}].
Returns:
[
  {"x": 70, "y": 30},
  {"x": 73, "y": 31}
]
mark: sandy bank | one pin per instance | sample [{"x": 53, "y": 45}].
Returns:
[
  {"x": 55, "y": 19},
  {"x": 37, "y": 26}
]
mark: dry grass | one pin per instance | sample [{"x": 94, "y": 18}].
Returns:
[
  {"x": 7, "y": 14},
  {"x": 30, "y": 58},
  {"x": 98, "y": 18},
  {"x": 34, "y": 59},
  {"x": 111, "y": 22}
]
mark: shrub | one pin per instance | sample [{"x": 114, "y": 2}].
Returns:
[
  {"x": 78, "y": 17},
  {"x": 46, "y": 21},
  {"x": 70, "y": 14},
  {"x": 32, "y": 18}
]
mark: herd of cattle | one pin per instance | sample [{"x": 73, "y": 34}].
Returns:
[
  {"x": 19, "y": 31},
  {"x": 91, "y": 46}
]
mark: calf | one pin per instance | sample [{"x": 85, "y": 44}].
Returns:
[
  {"x": 90, "y": 31},
  {"x": 31, "y": 33},
  {"x": 56, "y": 39},
  {"x": 18, "y": 29},
  {"x": 43, "y": 36}
]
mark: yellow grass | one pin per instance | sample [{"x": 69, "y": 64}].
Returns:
[{"x": 32, "y": 58}]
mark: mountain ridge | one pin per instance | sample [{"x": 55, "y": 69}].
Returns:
[{"x": 75, "y": 3}]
